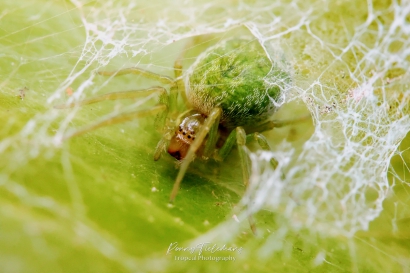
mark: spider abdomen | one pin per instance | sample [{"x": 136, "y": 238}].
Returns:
[{"x": 238, "y": 77}]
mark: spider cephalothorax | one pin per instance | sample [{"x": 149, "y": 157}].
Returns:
[{"x": 185, "y": 134}]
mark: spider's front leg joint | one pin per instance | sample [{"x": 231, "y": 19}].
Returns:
[{"x": 240, "y": 136}]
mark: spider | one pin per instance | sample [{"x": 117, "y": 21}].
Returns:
[{"x": 230, "y": 92}]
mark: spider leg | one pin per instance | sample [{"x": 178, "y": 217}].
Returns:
[
  {"x": 118, "y": 95},
  {"x": 269, "y": 125},
  {"x": 173, "y": 94},
  {"x": 139, "y": 71},
  {"x": 121, "y": 118},
  {"x": 178, "y": 87},
  {"x": 245, "y": 163},
  {"x": 243, "y": 157},
  {"x": 179, "y": 79},
  {"x": 160, "y": 109},
  {"x": 168, "y": 102},
  {"x": 263, "y": 143},
  {"x": 232, "y": 139},
  {"x": 212, "y": 119},
  {"x": 238, "y": 136},
  {"x": 212, "y": 138}
]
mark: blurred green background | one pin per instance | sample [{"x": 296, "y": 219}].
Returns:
[{"x": 98, "y": 203}]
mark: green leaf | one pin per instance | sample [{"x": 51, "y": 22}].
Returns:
[{"x": 99, "y": 202}]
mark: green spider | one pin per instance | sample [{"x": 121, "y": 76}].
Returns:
[{"x": 231, "y": 93}]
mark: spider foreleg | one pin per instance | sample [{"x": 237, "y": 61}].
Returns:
[
  {"x": 211, "y": 120},
  {"x": 139, "y": 71},
  {"x": 121, "y": 118},
  {"x": 132, "y": 94},
  {"x": 163, "y": 143}
]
